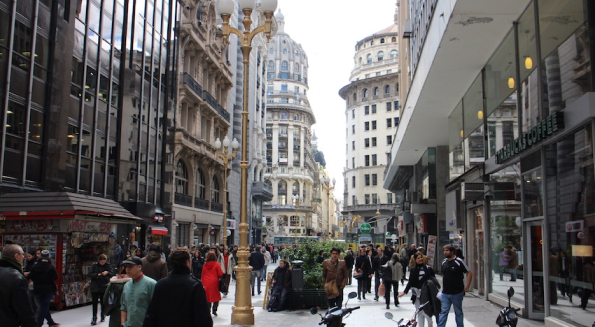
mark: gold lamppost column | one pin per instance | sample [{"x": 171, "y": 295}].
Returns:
[
  {"x": 243, "y": 311},
  {"x": 226, "y": 156},
  {"x": 328, "y": 192},
  {"x": 296, "y": 202}
]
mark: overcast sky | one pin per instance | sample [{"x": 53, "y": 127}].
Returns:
[{"x": 328, "y": 31}]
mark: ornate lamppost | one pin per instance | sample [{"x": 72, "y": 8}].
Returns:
[
  {"x": 226, "y": 155},
  {"x": 243, "y": 311},
  {"x": 297, "y": 200},
  {"x": 328, "y": 192}
]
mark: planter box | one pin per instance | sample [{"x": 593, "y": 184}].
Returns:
[{"x": 306, "y": 299}]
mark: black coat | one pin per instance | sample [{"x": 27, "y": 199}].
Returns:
[
  {"x": 15, "y": 308},
  {"x": 363, "y": 263},
  {"x": 44, "y": 277},
  {"x": 256, "y": 260},
  {"x": 378, "y": 262},
  {"x": 197, "y": 263},
  {"x": 429, "y": 291},
  {"x": 99, "y": 283},
  {"x": 287, "y": 280},
  {"x": 179, "y": 300},
  {"x": 414, "y": 277},
  {"x": 349, "y": 261}
]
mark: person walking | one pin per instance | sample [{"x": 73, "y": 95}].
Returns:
[
  {"x": 454, "y": 270},
  {"x": 267, "y": 260},
  {"x": 44, "y": 277},
  {"x": 513, "y": 263},
  {"x": 256, "y": 261},
  {"x": 404, "y": 262},
  {"x": 392, "y": 274},
  {"x": 153, "y": 265},
  {"x": 349, "y": 262},
  {"x": 137, "y": 294},
  {"x": 377, "y": 262},
  {"x": 423, "y": 252},
  {"x": 418, "y": 275},
  {"x": 588, "y": 277},
  {"x": 363, "y": 266},
  {"x": 115, "y": 285},
  {"x": 211, "y": 272},
  {"x": 227, "y": 267},
  {"x": 197, "y": 263},
  {"x": 15, "y": 307},
  {"x": 179, "y": 299},
  {"x": 100, "y": 274},
  {"x": 334, "y": 269},
  {"x": 282, "y": 285},
  {"x": 503, "y": 262}
]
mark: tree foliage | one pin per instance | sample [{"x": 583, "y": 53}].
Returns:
[{"x": 307, "y": 252}]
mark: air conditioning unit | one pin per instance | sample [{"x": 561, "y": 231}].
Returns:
[{"x": 473, "y": 191}]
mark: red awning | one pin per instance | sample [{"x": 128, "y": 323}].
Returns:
[{"x": 158, "y": 230}]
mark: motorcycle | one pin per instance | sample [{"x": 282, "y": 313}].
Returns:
[
  {"x": 411, "y": 322},
  {"x": 507, "y": 317},
  {"x": 334, "y": 316}
]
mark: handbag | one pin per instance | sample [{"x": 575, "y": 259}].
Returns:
[
  {"x": 223, "y": 288},
  {"x": 358, "y": 272},
  {"x": 381, "y": 290},
  {"x": 330, "y": 287}
]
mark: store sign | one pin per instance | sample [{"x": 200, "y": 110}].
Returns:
[
  {"x": 365, "y": 228},
  {"x": 87, "y": 226},
  {"x": 32, "y": 226},
  {"x": 231, "y": 224},
  {"x": 421, "y": 222},
  {"x": 213, "y": 232},
  {"x": 400, "y": 226},
  {"x": 544, "y": 129}
]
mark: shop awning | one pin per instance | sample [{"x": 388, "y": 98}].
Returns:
[
  {"x": 60, "y": 205},
  {"x": 158, "y": 230}
]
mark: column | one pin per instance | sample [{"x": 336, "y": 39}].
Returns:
[
  {"x": 290, "y": 146},
  {"x": 275, "y": 158},
  {"x": 302, "y": 149}
]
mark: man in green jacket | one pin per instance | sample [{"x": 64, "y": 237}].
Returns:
[{"x": 137, "y": 294}]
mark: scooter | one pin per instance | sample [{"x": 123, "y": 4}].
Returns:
[
  {"x": 334, "y": 316},
  {"x": 411, "y": 322},
  {"x": 507, "y": 317}
]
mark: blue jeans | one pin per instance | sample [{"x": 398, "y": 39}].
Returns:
[
  {"x": 280, "y": 289},
  {"x": 457, "y": 302},
  {"x": 44, "y": 300},
  {"x": 255, "y": 274},
  {"x": 263, "y": 274}
]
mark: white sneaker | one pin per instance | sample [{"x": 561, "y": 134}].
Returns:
[{"x": 224, "y": 294}]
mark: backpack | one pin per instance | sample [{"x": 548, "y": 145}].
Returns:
[{"x": 387, "y": 272}]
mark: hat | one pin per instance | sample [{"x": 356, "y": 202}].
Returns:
[
  {"x": 133, "y": 260},
  {"x": 45, "y": 254}
]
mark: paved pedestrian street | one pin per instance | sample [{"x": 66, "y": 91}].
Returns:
[{"x": 478, "y": 312}]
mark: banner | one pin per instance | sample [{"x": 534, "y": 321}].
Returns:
[{"x": 431, "y": 252}]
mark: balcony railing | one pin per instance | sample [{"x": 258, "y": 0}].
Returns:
[
  {"x": 262, "y": 191},
  {"x": 183, "y": 199},
  {"x": 217, "y": 207},
  {"x": 192, "y": 84},
  {"x": 223, "y": 113},
  {"x": 201, "y": 203}
]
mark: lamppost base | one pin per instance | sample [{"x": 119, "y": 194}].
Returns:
[{"x": 242, "y": 316}]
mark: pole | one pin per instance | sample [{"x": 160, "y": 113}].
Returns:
[{"x": 225, "y": 205}]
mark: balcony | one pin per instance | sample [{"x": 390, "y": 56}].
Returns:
[
  {"x": 183, "y": 199},
  {"x": 371, "y": 207},
  {"x": 201, "y": 203},
  {"x": 192, "y": 84},
  {"x": 216, "y": 106},
  {"x": 216, "y": 207},
  {"x": 262, "y": 191}
]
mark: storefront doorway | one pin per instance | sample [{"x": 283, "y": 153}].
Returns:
[{"x": 534, "y": 301}]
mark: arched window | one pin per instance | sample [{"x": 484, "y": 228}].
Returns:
[
  {"x": 382, "y": 40},
  {"x": 282, "y": 187},
  {"x": 394, "y": 54},
  {"x": 271, "y": 50},
  {"x": 296, "y": 68},
  {"x": 271, "y": 66},
  {"x": 376, "y": 91},
  {"x": 387, "y": 89},
  {"x": 296, "y": 188},
  {"x": 372, "y": 42},
  {"x": 181, "y": 178},
  {"x": 284, "y": 50},
  {"x": 394, "y": 39},
  {"x": 297, "y": 53},
  {"x": 283, "y": 115},
  {"x": 366, "y": 93},
  {"x": 360, "y": 60},
  {"x": 215, "y": 190},
  {"x": 285, "y": 65},
  {"x": 380, "y": 55},
  {"x": 199, "y": 185},
  {"x": 296, "y": 117},
  {"x": 369, "y": 58}
]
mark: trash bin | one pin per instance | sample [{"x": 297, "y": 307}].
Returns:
[{"x": 297, "y": 276}]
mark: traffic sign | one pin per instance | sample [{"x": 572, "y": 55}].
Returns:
[
  {"x": 394, "y": 237},
  {"x": 365, "y": 228}
]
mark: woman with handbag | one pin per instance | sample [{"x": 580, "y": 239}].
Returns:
[
  {"x": 419, "y": 274},
  {"x": 362, "y": 271},
  {"x": 227, "y": 267},
  {"x": 211, "y": 273},
  {"x": 100, "y": 275}
]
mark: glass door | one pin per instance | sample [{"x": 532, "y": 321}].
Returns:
[{"x": 534, "y": 284}]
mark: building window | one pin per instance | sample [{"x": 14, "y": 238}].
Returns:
[
  {"x": 353, "y": 162},
  {"x": 389, "y": 198},
  {"x": 380, "y": 56},
  {"x": 284, "y": 50},
  {"x": 271, "y": 66},
  {"x": 374, "y": 161},
  {"x": 373, "y": 124},
  {"x": 365, "y": 93},
  {"x": 181, "y": 178},
  {"x": 215, "y": 190},
  {"x": 394, "y": 39},
  {"x": 366, "y": 110},
  {"x": 373, "y": 141},
  {"x": 389, "y": 106},
  {"x": 397, "y": 88},
  {"x": 296, "y": 89},
  {"x": 367, "y": 179},
  {"x": 352, "y": 129},
  {"x": 389, "y": 122},
  {"x": 366, "y": 142},
  {"x": 199, "y": 182},
  {"x": 367, "y": 198},
  {"x": 374, "y": 107},
  {"x": 353, "y": 200},
  {"x": 367, "y": 160},
  {"x": 284, "y": 100},
  {"x": 353, "y": 114},
  {"x": 396, "y": 121},
  {"x": 382, "y": 40},
  {"x": 352, "y": 181},
  {"x": 389, "y": 139},
  {"x": 374, "y": 198},
  {"x": 374, "y": 179},
  {"x": 369, "y": 59},
  {"x": 283, "y": 87},
  {"x": 376, "y": 89},
  {"x": 285, "y": 65},
  {"x": 294, "y": 220},
  {"x": 387, "y": 89},
  {"x": 354, "y": 97},
  {"x": 394, "y": 54},
  {"x": 352, "y": 145},
  {"x": 366, "y": 126}
]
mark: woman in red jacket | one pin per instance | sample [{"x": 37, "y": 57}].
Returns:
[{"x": 211, "y": 272}]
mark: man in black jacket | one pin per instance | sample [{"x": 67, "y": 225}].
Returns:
[
  {"x": 377, "y": 262},
  {"x": 15, "y": 308},
  {"x": 256, "y": 261},
  {"x": 179, "y": 299}
]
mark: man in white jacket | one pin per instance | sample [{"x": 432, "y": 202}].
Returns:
[{"x": 267, "y": 260}]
